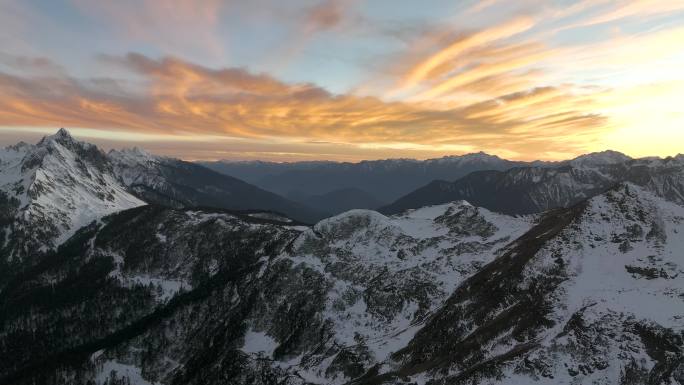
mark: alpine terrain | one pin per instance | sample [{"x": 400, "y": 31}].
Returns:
[
  {"x": 128, "y": 268},
  {"x": 51, "y": 189}
]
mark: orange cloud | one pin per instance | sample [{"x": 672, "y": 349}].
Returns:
[
  {"x": 462, "y": 45},
  {"x": 182, "y": 98}
]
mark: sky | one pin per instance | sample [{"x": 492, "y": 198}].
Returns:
[{"x": 347, "y": 79}]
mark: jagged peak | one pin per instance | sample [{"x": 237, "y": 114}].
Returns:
[
  {"x": 62, "y": 136},
  {"x": 63, "y": 133}
]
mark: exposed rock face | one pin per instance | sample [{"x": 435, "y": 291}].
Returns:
[{"x": 50, "y": 190}]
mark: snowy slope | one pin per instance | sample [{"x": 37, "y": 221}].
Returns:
[
  {"x": 620, "y": 314},
  {"x": 446, "y": 294},
  {"x": 599, "y": 159},
  {"x": 592, "y": 294},
  {"x": 137, "y": 166},
  {"x": 55, "y": 187},
  {"x": 383, "y": 277}
]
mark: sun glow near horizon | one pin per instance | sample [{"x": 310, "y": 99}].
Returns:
[{"x": 348, "y": 80}]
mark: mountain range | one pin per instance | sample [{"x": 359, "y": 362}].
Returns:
[
  {"x": 128, "y": 268},
  {"x": 51, "y": 189},
  {"x": 382, "y": 180},
  {"x": 526, "y": 190}
]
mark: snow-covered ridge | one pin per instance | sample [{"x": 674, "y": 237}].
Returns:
[
  {"x": 591, "y": 294},
  {"x": 587, "y": 294},
  {"x": 386, "y": 274},
  {"x": 57, "y": 186},
  {"x": 624, "y": 281}
]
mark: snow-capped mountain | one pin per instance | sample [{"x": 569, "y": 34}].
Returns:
[
  {"x": 525, "y": 190},
  {"x": 275, "y": 300},
  {"x": 51, "y": 189},
  {"x": 592, "y": 294}
]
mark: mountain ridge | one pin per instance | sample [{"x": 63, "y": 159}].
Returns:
[
  {"x": 57, "y": 186},
  {"x": 524, "y": 190},
  {"x": 452, "y": 293},
  {"x": 172, "y": 181},
  {"x": 385, "y": 180},
  {"x": 50, "y": 189},
  {"x": 363, "y": 298}
]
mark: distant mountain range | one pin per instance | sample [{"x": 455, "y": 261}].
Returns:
[
  {"x": 384, "y": 180},
  {"x": 511, "y": 187},
  {"x": 527, "y": 190}
]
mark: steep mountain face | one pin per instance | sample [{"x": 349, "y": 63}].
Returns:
[
  {"x": 178, "y": 183},
  {"x": 528, "y": 190},
  {"x": 146, "y": 270},
  {"x": 592, "y": 294},
  {"x": 386, "y": 180},
  {"x": 50, "y": 190},
  {"x": 517, "y": 191}
]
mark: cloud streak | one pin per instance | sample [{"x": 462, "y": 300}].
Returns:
[
  {"x": 532, "y": 82},
  {"x": 182, "y": 98}
]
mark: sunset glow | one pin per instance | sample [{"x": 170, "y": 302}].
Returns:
[{"x": 347, "y": 79}]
